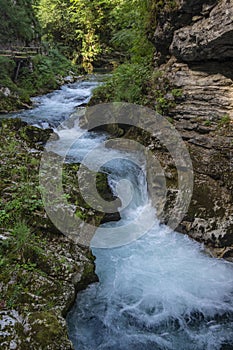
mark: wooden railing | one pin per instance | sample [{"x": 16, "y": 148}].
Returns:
[{"x": 21, "y": 52}]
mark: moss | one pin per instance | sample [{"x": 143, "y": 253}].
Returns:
[
  {"x": 88, "y": 276},
  {"x": 203, "y": 202},
  {"x": 13, "y": 103},
  {"x": 158, "y": 8},
  {"x": 37, "y": 263},
  {"x": 34, "y": 135},
  {"x": 46, "y": 328},
  {"x": 103, "y": 186},
  {"x": 73, "y": 195},
  {"x": 207, "y": 123},
  {"x": 224, "y": 121}
]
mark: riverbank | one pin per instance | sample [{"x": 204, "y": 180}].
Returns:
[
  {"x": 41, "y": 270},
  {"x": 40, "y": 75}
]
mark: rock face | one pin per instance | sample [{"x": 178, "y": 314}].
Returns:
[
  {"x": 35, "y": 300},
  {"x": 169, "y": 16},
  {"x": 41, "y": 269},
  {"x": 194, "y": 42},
  {"x": 207, "y": 38}
]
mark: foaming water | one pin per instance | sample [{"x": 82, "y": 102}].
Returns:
[
  {"x": 50, "y": 109},
  {"x": 160, "y": 291}
]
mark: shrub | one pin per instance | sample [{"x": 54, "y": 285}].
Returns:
[
  {"x": 46, "y": 70},
  {"x": 6, "y": 67},
  {"x": 225, "y": 120},
  {"x": 128, "y": 83}
]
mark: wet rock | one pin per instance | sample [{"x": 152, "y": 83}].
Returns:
[
  {"x": 5, "y": 91},
  {"x": 12, "y": 124},
  {"x": 111, "y": 217}
]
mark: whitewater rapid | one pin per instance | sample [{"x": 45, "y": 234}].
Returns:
[{"x": 161, "y": 291}]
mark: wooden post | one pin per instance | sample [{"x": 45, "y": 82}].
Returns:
[{"x": 17, "y": 70}]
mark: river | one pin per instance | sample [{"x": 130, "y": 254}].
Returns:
[{"x": 161, "y": 291}]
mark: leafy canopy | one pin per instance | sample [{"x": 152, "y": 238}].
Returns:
[{"x": 87, "y": 29}]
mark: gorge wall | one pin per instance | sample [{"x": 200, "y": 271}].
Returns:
[{"x": 194, "y": 43}]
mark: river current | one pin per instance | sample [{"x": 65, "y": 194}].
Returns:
[{"x": 161, "y": 291}]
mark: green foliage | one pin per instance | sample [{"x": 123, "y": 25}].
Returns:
[
  {"x": 25, "y": 200},
  {"x": 170, "y": 120},
  {"x": 21, "y": 234},
  {"x": 163, "y": 104},
  {"x": 55, "y": 19},
  {"x": 18, "y": 27},
  {"x": 92, "y": 22},
  {"x": 138, "y": 83},
  {"x": 20, "y": 255},
  {"x": 45, "y": 76},
  {"x": 7, "y": 87},
  {"x": 30, "y": 264},
  {"x": 74, "y": 196},
  {"x": 81, "y": 27},
  {"x": 161, "y": 95},
  {"x": 17, "y": 22},
  {"x": 177, "y": 93},
  {"x": 18, "y": 174},
  {"x": 207, "y": 123},
  {"x": 46, "y": 72},
  {"x": 224, "y": 121},
  {"x": 4, "y": 216},
  {"x": 6, "y": 67},
  {"x": 129, "y": 33},
  {"x": 128, "y": 83},
  {"x": 87, "y": 29},
  {"x": 158, "y": 8}
]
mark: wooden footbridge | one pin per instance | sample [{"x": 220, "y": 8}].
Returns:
[
  {"x": 19, "y": 55},
  {"x": 25, "y": 52}
]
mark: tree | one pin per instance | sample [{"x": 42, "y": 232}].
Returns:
[
  {"x": 82, "y": 27},
  {"x": 55, "y": 19},
  {"x": 86, "y": 29},
  {"x": 130, "y": 34},
  {"x": 18, "y": 24}
]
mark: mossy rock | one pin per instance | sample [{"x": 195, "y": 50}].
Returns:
[
  {"x": 47, "y": 331},
  {"x": 12, "y": 124},
  {"x": 34, "y": 135}
]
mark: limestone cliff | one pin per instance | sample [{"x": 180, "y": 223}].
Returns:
[{"x": 194, "y": 42}]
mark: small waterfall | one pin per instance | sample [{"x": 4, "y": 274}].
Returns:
[{"x": 159, "y": 292}]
